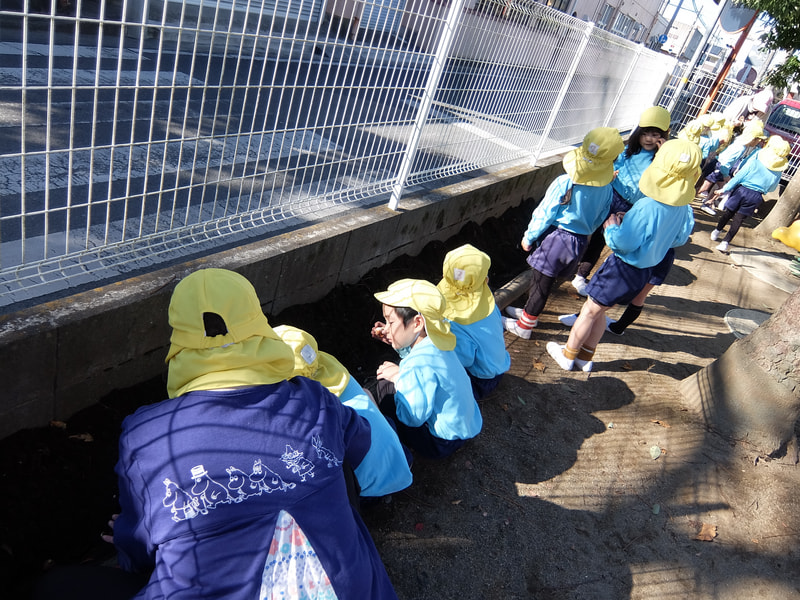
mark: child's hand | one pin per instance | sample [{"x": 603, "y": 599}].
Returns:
[
  {"x": 613, "y": 219},
  {"x": 379, "y": 332},
  {"x": 110, "y": 537},
  {"x": 388, "y": 371},
  {"x": 525, "y": 245},
  {"x": 717, "y": 192},
  {"x": 659, "y": 142}
]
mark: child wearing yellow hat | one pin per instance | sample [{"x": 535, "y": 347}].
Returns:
[
  {"x": 573, "y": 207},
  {"x": 428, "y": 395},
  {"x": 730, "y": 159},
  {"x": 474, "y": 318},
  {"x": 242, "y": 468},
  {"x": 385, "y": 468},
  {"x": 759, "y": 175},
  {"x": 640, "y": 240},
  {"x": 643, "y": 143}
]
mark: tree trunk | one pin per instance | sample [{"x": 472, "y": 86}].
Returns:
[
  {"x": 784, "y": 211},
  {"x": 752, "y": 392}
]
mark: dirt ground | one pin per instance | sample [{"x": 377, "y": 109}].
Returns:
[{"x": 558, "y": 498}]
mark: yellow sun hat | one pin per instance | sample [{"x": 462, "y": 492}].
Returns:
[
  {"x": 775, "y": 153},
  {"x": 655, "y": 116},
  {"x": 427, "y": 300},
  {"x": 310, "y": 362},
  {"x": 754, "y": 129},
  {"x": 716, "y": 120},
  {"x": 708, "y": 121},
  {"x": 671, "y": 177},
  {"x": 725, "y": 133},
  {"x": 592, "y": 163},
  {"x": 691, "y": 132},
  {"x": 247, "y": 351},
  {"x": 464, "y": 286}
]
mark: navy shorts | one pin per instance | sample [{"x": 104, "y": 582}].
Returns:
[
  {"x": 558, "y": 254},
  {"x": 661, "y": 270},
  {"x": 617, "y": 282},
  {"x": 744, "y": 201},
  {"x": 716, "y": 176},
  {"x": 618, "y": 205}
]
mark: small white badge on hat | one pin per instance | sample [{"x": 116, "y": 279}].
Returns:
[
  {"x": 684, "y": 157},
  {"x": 308, "y": 354},
  {"x": 459, "y": 274},
  {"x": 593, "y": 149}
]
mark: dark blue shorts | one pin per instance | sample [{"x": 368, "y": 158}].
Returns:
[
  {"x": 617, "y": 282},
  {"x": 661, "y": 270},
  {"x": 716, "y": 176},
  {"x": 618, "y": 204},
  {"x": 558, "y": 254},
  {"x": 744, "y": 200}
]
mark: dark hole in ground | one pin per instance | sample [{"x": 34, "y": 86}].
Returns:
[{"x": 59, "y": 487}]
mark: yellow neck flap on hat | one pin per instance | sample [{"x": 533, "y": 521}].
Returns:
[{"x": 254, "y": 361}]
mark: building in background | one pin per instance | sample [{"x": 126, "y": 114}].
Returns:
[{"x": 635, "y": 20}]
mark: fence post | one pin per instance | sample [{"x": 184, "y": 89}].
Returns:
[
  {"x": 562, "y": 93},
  {"x": 442, "y": 51},
  {"x": 623, "y": 85}
]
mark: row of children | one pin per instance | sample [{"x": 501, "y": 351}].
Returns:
[
  {"x": 741, "y": 167},
  {"x": 635, "y": 201},
  {"x": 246, "y": 482}
]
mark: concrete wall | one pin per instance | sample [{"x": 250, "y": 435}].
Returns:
[{"x": 64, "y": 355}]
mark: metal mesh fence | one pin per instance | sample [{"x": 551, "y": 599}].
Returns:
[{"x": 137, "y": 132}]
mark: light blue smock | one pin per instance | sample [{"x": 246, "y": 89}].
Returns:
[
  {"x": 754, "y": 176},
  {"x": 629, "y": 172},
  {"x": 648, "y": 230},
  {"x": 480, "y": 346},
  {"x": 585, "y": 212},
  {"x": 384, "y": 469},
  {"x": 433, "y": 389}
]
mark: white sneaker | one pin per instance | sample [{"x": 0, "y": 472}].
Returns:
[
  {"x": 512, "y": 326},
  {"x": 715, "y": 235},
  {"x": 555, "y": 350},
  {"x": 723, "y": 247},
  {"x": 568, "y": 320},
  {"x": 579, "y": 283},
  {"x": 708, "y": 210},
  {"x": 513, "y": 311},
  {"x": 584, "y": 365}
]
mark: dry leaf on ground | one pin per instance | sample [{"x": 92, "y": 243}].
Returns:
[{"x": 707, "y": 533}]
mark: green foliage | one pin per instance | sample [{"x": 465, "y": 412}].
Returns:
[
  {"x": 783, "y": 35},
  {"x": 785, "y": 16},
  {"x": 783, "y": 76}
]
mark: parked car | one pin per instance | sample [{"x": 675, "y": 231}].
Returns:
[{"x": 784, "y": 120}]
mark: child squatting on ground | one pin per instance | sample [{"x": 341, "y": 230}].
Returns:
[
  {"x": 573, "y": 207},
  {"x": 640, "y": 240},
  {"x": 235, "y": 486},
  {"x": 428, "y": 395},
  {"x": 385, "y": 468},
  {"x": 758, "y": 176},
  {"x": 474, "y": 317},
  {"x": 644, "y": 142}
]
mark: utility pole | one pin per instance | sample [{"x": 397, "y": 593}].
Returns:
[{"x": 728, "y": 63}]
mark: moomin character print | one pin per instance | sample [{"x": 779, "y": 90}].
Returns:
[
  {"x": 267, "y": 480},
  {"x": 207, "y": 491},
  {"x": 181, "y": 504},
  {"x": 298, "y": 464},
  {"x": 324, "y": 453},
  {"x": 239, "y": 484}
]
